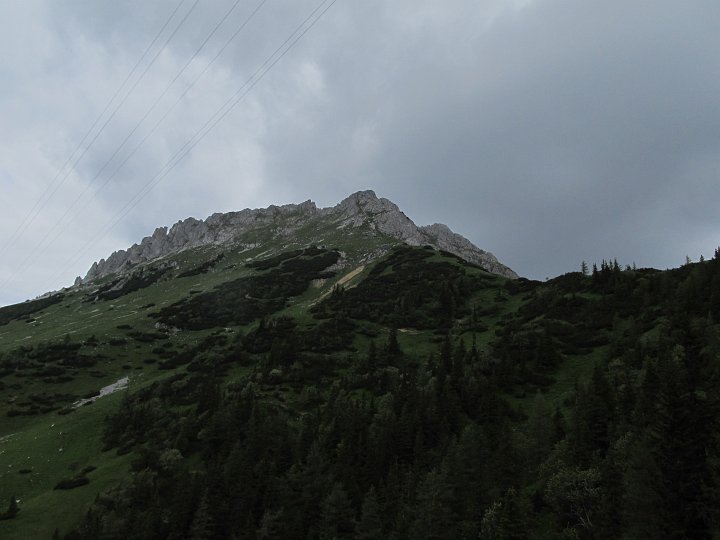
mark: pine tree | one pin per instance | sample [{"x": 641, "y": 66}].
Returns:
[
  {"x": 465, "y": 467},
  {"x": 393, "y": 347},
  {"x": 434, "y": 519},
  {"x": 369, "y": 527},
  {"x": 271, "y": 526},
  {"x": 643, "y": 500},
  {"x": 202, "y": 527},
  {"x": 540, "y": 432},
  {"x": 506, "y": 519},
  {"x": 372, "y": 357},
  {"x": 336, "y": 515}
]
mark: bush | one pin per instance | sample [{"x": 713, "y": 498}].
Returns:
[
  {"x": 243, "y": 300},
  {"x": 12, "y": 510},
  {"x": 72, "y": 483},
  {"x": 19, "y": 311}
]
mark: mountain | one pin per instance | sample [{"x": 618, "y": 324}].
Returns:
[
  {"x": 294, "y": 224},
  {"x": 304, "y": 373}
]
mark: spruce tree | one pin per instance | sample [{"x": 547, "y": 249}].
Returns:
[
  {"x": 202, "y": 527},
  {"x": 434, "y": 518},
  {"x": 336, "y": 515},
  {"x": 369, "y": 527}
]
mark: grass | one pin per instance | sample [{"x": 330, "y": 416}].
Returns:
[
  {"x": 53, "y": 448},
  {"x": 572, "y": 370}
]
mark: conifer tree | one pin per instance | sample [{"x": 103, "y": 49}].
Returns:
[
  {"x": 369, "y": 527},
  {"x": 540, "y": 431},
  {"x": 336, "y": 517},
  {"x": 202, "y": 527},
  {"x": 271, "y": 526},
  {"x": 434, "y": 519},
  {"x": 393, "y": 347}
]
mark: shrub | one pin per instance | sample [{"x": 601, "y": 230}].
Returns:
[{"x": 72, "y": 483}]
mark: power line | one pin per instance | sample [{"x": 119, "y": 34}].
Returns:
[
  {"x": 180, "y": 98},
  {"x": 107, "y": 121},
  {"x": 147, "y": 113},
  {"x": 219, "y": 115},
  {"x": 42, "y": 200},
  {"x": 169, "y": 110}
]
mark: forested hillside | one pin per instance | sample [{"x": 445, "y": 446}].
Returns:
[{"x": 423, "y": 399}]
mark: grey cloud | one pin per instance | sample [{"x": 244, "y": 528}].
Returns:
[
  {"x": 547, "y": 131},
  {"x": 566, "y": 134}
]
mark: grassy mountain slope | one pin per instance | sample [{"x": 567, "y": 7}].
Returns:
[
  {"x": 313, "y": 391},
  {"x": 66, "y": 347}
]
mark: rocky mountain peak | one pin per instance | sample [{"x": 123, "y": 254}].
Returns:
[
  {"x": 364, "y": 203},
  {"x": 363, "y": 208}
]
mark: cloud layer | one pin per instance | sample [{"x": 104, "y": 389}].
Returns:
[{"x": 546, "y": 131}]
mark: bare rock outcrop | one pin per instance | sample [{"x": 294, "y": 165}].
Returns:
[
  {"x": 441, "y": 237},
  {"x": 363, "y": 208}
]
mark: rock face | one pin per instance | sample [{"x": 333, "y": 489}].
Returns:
[{"x": 363, "y": 208}]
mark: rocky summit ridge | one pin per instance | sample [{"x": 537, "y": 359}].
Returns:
[{"x": 360, "y": 209}]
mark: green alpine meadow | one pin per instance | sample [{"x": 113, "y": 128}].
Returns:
[{"x": 304, "y": 373}]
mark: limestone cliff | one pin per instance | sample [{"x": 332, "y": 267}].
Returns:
[{"x": 363, "y": 208}]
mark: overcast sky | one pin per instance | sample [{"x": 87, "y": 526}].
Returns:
[{"x": 546, "y": 131}]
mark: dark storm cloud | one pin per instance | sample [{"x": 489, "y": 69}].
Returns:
[
  {"x": 547, "y": 131},
  {"x": 565, "y": 131}
]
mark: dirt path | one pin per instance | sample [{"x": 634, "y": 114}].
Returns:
[
  {"x": 342, "y": 281},
  {"x": 347, "y": 277}
]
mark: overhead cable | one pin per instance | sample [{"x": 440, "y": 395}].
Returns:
[
  {"x": 52, "y": 187},
  {"x": 302, "y": 29}
]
